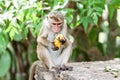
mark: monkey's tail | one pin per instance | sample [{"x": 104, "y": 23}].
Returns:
[{"x": 32, "y": 70}]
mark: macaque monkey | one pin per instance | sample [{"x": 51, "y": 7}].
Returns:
[{"x": 54, "y": 47}]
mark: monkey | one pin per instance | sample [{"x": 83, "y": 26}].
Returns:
[{"x": 53, "y": 25}]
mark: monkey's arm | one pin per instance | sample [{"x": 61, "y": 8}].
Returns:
[
  {"x": 42, "y": 38},
  {"x": 68, "y": 39}
]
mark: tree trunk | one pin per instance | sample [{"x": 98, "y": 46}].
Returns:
[{"x": 111, "y": 36}]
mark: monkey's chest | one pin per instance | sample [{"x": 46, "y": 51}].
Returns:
[{"x": 55, "y": 53}]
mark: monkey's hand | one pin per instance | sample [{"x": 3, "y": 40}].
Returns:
[
  {"x": 61, "y": 38},
  {"x": 54, "y": 48},
  {"x": 62, "y": 41},
  {"x": 58, "y": 41}
]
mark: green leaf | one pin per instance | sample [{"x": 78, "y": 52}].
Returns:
[
  {"x": 25, "y": 32},
  {"x": 89, "y": 12},
  {"x": 93, "y": 35},
  {"x": 2, "y": 23},
  {"x": 8, "y": 29},
  {"x": 79, "y": 5},
  {"x": 98, "y": 9},
  {"x": 17, "y": 37},
  {"x": 39, "y": 5},
  {"x": 85, "y": 23},
  {"x": 15, "y": 3},
  {"x": 3, "y": 42},
  {"x": 95, "y": 18},
  {"x": 115, "y": 2},
  {"x": 13, "y": 32},
  {"x": 111, "y": 11},
  {"x": 4, "y": 63}
]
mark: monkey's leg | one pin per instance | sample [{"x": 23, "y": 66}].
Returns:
[
  {"x": 64, "y": 57},
  {"x": 45, "y": 57},
  {"x": 64, "y": 68}
]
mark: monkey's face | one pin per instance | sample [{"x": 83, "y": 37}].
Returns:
[{"x": 56, "y": 26}]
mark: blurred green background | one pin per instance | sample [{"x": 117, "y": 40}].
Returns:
[{"x": 94, "y": 24}]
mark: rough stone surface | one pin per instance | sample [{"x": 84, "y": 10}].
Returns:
[{"x": 95, "y": 70}]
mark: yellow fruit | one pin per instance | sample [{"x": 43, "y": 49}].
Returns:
[{"x": 59, "y": 40}]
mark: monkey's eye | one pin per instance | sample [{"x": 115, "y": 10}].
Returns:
[
  {"x": 59, "y": 23},
  {"x": 54, "y": 23}
]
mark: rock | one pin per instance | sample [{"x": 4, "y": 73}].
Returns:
[{"x": 85, "y": 71}]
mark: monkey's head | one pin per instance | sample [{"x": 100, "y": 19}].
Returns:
[{"x": 56, "y": 21}]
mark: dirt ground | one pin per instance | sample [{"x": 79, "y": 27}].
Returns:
[{"x": 98, "y": 70}]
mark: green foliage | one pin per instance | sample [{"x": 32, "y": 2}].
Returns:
[
  {"x": 90, "y": 10},
  {"x": 5, "y": 61},
  {"x": 17, "y": 19},
  {"x": 113, "y": 4}
]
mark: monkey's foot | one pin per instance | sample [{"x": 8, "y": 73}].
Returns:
[{"x": 64, "y": 68}]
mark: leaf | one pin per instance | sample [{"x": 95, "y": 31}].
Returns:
[
  {"x": 13, "y": 32},
  {"x": 93, "y": 33},
  {"x": 111, "y": 11},
  {"x": 85, "y": 21},
  {"x": 115, "y": 2},
  {"x": 79, "y": 5},
  {"x": 25, "y": 32},
  {"x": 8, "y": 29},
  {"x": 95, "y": 18},
  {"x": 15, "y": 3},
  {"x": 17, "y": 37},
  {"x": 98, "y": 13},
  {"x": 89, "y": 12},
  {"x": 3, "y": 42},
  {"x": 4, "y": 63},
  {"x": 98, "y": 9},
  {"x": 2, "y": 23}
]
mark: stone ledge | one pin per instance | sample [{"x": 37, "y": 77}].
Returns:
[{"x": 95, "y": 70}]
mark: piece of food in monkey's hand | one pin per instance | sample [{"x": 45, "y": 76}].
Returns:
[{"x": 58, "y": 41}]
